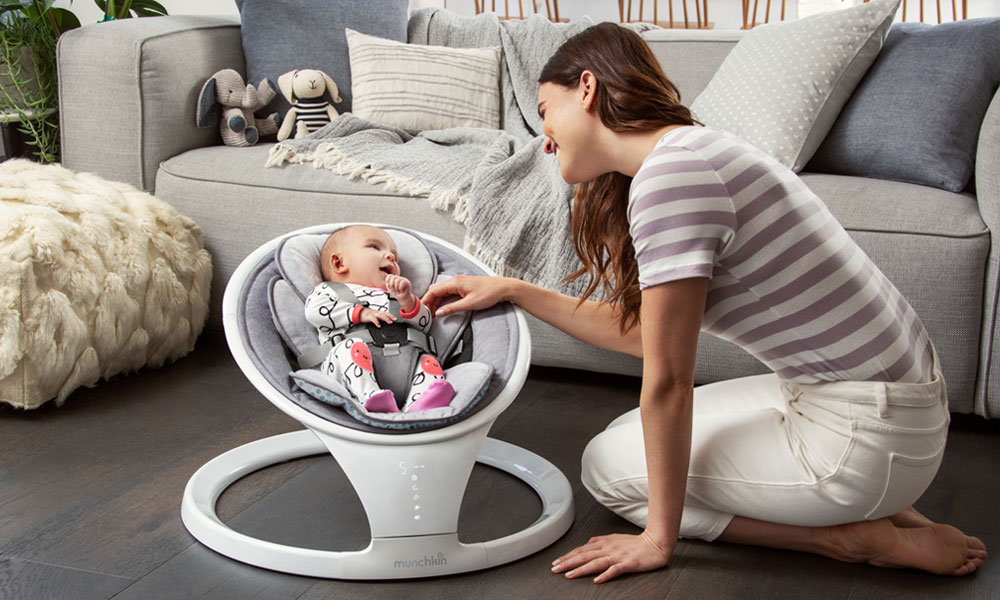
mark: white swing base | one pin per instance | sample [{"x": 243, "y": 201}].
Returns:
[{"x": 402, "y": 545}]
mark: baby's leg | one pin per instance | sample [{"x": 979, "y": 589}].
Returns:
[
  {"x": 429, "y": 388},
  {"x": 350, "y": 362}
]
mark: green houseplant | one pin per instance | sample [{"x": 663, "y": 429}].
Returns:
[
  {"x": 29, "y": 30},
  {"x": 28, "y": 92}
]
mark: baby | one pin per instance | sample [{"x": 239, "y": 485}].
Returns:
[{"x": 365, "y": 259}]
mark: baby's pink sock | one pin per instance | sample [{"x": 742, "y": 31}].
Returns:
[
  {"x": 436, "y": 395},
  {"x": 382, "y": 401}
]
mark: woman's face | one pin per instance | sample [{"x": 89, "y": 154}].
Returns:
[{"x": 569, "y": 130}]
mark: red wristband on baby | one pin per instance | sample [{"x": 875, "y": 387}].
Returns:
[
  {"x": 356, "y": 314},
  {"x": 413, "y": 312}
]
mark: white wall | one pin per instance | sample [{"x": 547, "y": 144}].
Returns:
[{"x": 724, "y": 13}]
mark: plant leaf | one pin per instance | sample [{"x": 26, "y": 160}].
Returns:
[
  {"x": 66, "y": 19},
  {"x": 148, "y": 8}
]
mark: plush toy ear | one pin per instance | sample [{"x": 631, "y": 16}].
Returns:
[
  {"x": 285, "y": 85},
  {"x": 331, "y": 87},
  {"x": 208, "y": 108}
]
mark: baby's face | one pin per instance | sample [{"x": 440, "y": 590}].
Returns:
[{"x": 368, "y": 254}]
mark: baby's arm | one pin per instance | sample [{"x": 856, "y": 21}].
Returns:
[
  {"x": 326, "y": 311},
  {"x": 410, "y": 308},
  {"x": 329, "y": 314}
]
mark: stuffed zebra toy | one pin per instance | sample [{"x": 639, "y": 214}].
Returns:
[{"x": 304, "y": 90}]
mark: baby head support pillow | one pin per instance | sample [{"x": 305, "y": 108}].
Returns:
[{"x": 298, "y": 262}]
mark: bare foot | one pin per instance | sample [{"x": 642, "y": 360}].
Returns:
[
  {"x": 940, "y": 549},
  {"x": 911, "y": 517}
]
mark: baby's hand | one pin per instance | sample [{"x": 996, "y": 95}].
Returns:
[
  {"x": 402, "y": 290},
  {"x": 375, "y": 317}
]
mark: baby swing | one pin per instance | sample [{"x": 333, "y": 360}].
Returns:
[{"x": 389, "y": 459}]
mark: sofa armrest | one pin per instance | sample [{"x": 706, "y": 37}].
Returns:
[
  {"x": 128, "y": 91},
  {"x": 988, "y": 195}
]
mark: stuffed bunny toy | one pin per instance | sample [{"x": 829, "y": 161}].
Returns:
[
  {"x": 304, "y": 90},
  {"x": 239, "y": 102}
]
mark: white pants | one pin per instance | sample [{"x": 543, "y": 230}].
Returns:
[{"x": 767, "y": 449}]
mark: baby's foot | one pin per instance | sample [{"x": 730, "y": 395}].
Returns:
[
  {"x": 437, "y": 394},
  {"x": 382, "y": 401}
]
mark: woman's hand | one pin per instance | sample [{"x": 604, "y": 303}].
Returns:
[
  {"x": 611, "y": 556},
  {"x": 473, "y": 292}
]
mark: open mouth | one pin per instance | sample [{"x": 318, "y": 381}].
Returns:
[{"x": 387, "y": 270}]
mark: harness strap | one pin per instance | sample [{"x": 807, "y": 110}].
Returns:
[
  {"x": 414, "y": 336},
  {"x": 364, "y": 332},
  {"x": 315, "y": 355},
  {"x": 344, "y": 294}
]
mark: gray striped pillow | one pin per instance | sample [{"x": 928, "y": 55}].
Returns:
[{"x": 416, "y": 87}]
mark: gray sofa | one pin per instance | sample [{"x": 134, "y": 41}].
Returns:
[{"x": 128, "y": 92}]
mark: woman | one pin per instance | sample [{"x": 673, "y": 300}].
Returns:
[{"x": 687, "y": 228}]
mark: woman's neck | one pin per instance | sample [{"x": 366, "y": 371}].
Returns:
[{"x": 633, "y": 148}]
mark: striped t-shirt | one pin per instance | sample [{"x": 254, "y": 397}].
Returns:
[{"x": 788, "y": 285}]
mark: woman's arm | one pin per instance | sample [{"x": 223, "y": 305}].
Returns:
[
  {"x": 671, "y": 314},
  {"x": 595, "y": 323},
  {"x": 671, "y": 317}
]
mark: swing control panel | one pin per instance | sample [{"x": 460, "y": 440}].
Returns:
[{"x": 412, "y": 471}]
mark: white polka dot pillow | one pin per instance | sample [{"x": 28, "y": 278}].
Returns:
[{"x": 783, "y": 85}]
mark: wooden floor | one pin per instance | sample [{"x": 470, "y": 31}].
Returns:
[{"x": 90, "y": 498}]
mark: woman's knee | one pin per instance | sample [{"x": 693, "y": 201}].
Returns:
[{"x": 614, "y": 468}]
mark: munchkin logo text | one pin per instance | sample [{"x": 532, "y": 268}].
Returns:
[{"x": 426, "y": 561}]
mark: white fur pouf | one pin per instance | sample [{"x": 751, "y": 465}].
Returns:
[{"x": 97, "y": 278}]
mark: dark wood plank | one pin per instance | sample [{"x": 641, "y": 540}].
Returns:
[
  {"x": 96, "y": 484},
  {"x": 25, "y": 580},
  {"x": 535, "y": 388},
  {"x": 199, "y": 573},
  {"x": 719, "y": 570}
]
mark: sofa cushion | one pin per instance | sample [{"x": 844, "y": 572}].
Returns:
[
  {"x": 282, "y": 35},
  {"x": 941, "y": 77},
  {"x": 783, "y": 85},
  {"x": 865, "y": 204},
  {"x": 418, "y": 87}
]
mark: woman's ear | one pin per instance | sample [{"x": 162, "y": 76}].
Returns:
[{"x": 588, "y": 89}]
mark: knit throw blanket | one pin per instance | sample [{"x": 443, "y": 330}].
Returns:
[{"x": 499, "y": 183}]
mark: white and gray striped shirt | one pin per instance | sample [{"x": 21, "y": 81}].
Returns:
[{"x": 788, "y": 284}]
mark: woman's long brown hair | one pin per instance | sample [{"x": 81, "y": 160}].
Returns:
[{"x": 632, "y": 95}]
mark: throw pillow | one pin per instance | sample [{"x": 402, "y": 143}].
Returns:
[
  {"x": 416, "y": 87},
  {"x": 916, "y": 115},
  {"x": 282, "y": 35},
  {"x": 783, "y": 85}
]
